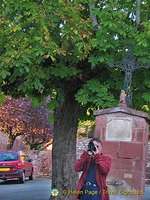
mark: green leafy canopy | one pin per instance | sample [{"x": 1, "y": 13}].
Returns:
[{"x": 46, "y": 46}]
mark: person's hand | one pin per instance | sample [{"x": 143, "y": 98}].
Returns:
[
  {"x": 90, "y": 153},
  {"x": 97, "y": 151},
  {"x": 87, "y": 150}
]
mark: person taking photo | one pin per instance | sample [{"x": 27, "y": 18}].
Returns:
[{"x": 95, "y": 167}]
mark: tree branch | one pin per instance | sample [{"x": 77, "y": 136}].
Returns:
[
  {"x": 95, "y": 24},
  {"x": 1, "y": 1},
  {"x": 138, "y": 2}
]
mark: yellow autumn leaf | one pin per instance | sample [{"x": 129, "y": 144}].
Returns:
[
  {"x": 46, "y": 37},
  {"x": 53, "y": 59},
  {"x": 75, "y": 31}
]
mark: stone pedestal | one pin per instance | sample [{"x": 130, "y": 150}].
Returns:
[{"x": 124, "y": 133}]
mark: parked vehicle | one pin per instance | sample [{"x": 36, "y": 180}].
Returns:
[{"x": 15, "y": 164}]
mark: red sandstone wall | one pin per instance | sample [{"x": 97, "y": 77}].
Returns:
[
  {"x": 81, "y": 145},
  {"x": 119, "y": 150},
  {"x": 147, "y": 180},
  {"x": 42, "y": 163},
  {"x": 42, "y": 160}
]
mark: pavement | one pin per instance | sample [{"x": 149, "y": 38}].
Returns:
[
  {"x": 37, "y": 189},
  {"x": 147, "y": 192}
]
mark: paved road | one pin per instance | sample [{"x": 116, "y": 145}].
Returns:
[
  {"x": 147, "y": 193},
  {"x": 37, "y": 189}
]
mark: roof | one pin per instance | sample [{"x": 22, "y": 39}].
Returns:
[
  {"x": 9, "y": 151},
  {"x": 47, "y": 144}
]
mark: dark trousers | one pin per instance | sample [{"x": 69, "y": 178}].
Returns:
[{"x": 90, "y": 193}]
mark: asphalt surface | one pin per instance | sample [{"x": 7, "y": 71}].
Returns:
[
  {"x": 37, "y": 189},
  {"x": 147, "y": 193}
]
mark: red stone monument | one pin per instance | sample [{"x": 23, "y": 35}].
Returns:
[{"x": 124, "y": 133}]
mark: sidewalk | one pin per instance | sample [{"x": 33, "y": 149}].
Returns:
[{"x": 147, "y": 192}]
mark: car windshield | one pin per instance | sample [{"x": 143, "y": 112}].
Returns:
[{"x": 8, "y": 156}]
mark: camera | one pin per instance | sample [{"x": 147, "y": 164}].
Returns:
[{"x": 91, "y": 146}]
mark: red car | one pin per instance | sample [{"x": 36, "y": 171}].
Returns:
[{"x": 15, "y": 164}]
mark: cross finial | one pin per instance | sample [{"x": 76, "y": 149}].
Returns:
[
  {"x": 129, "y": 64},
  {"x": 122, "y": 102}
]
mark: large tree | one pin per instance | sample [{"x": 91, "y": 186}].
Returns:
[{"x": 62, "y": 48}]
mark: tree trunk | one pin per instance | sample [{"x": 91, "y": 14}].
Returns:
[
  {"x": 10, "y": 143},
  {"x": 11, "y": 137},
  {"x": 64, "y": 176}
]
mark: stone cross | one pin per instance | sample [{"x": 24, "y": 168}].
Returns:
[{"x": 129, "y": 64}]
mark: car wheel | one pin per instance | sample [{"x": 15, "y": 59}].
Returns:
[
  {"x": 31, "y": 177},
  {"x": 22, "y": 178}
]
